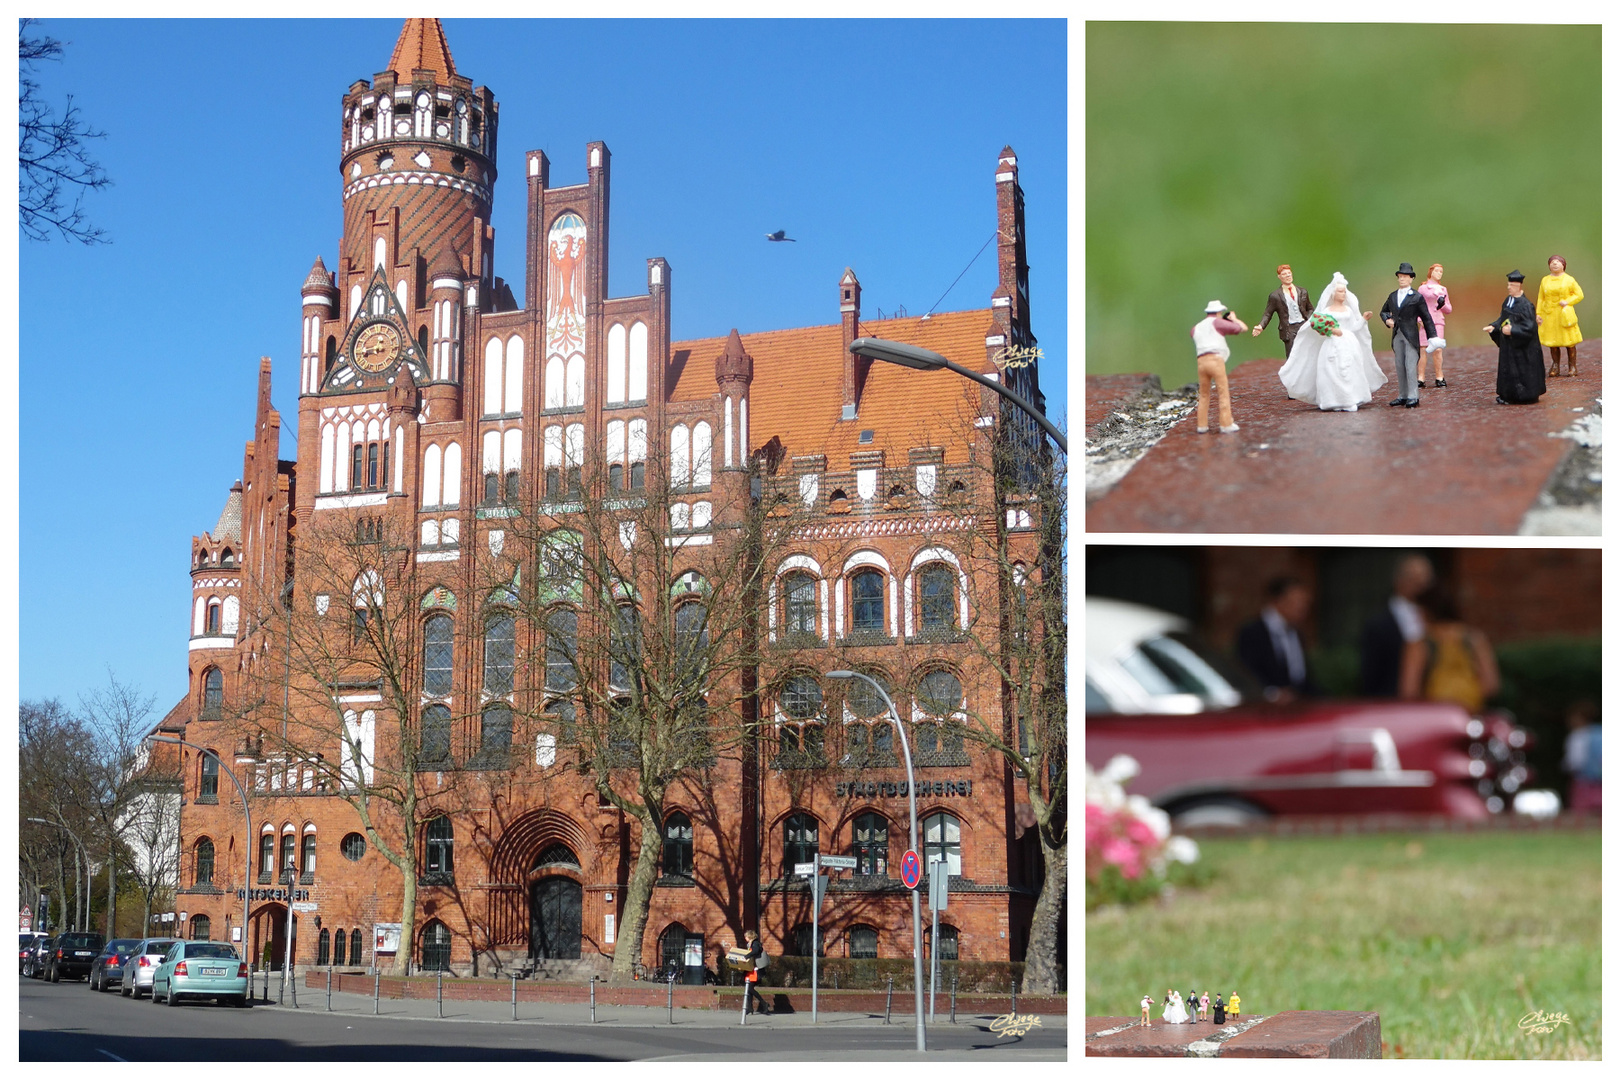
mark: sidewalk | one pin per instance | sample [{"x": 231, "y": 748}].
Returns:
[
  {"x": 1459, "y": 464},
  {"x": 568, "y": 1013}
]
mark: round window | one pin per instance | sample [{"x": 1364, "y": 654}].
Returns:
[{"x": 354, "y": 847}]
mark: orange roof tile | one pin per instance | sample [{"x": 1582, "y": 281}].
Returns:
[
  {"x": 421, "y": 45},
  {"x": 797, "y": 393}
]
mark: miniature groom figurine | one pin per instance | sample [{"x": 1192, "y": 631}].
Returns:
[
  {"x": 1292, "y": 306},
  {"x": 1401, "y": 313}
]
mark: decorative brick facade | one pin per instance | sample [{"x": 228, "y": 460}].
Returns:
[{"x": 429, "y": 393}]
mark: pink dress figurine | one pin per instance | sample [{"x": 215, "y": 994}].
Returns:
[{"x": 1439, "y": 303}]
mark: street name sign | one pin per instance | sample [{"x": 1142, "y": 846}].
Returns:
[{"x": 838, "y": 862}]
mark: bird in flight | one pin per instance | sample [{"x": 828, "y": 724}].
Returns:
[{"x": 780, "y": 235}]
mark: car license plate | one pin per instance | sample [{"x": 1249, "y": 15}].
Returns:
[
  {"x": 213, "y": 971},
  {"x": 85, "y": 953}
]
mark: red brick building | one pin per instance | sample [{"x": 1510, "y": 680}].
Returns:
[{"x": 429, "y": 395}]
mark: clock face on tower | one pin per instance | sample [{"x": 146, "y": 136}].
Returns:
[{"x": 377, "y": 347}]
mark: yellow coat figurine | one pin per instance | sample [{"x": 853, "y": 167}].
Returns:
[
  {"x": 1232, "y": 1006},
  {"x": 1555, "y": 313}
]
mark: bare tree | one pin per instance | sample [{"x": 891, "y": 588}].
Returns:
[
  {"x": 136, "y": 805},
  {"x": 54, "y": 165},
  {"x": 332, "y": 699},
  {"x": 645, "y": 605},
  {"x": 57, "y": 763}
]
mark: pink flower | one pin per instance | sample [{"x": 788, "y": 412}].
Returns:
[{"x": 1123, "y": 855}]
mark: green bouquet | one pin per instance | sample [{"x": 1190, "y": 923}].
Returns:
[{"x": 1324, "y": 324}]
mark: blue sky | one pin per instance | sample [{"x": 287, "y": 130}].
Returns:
[{"x": 873, "y": 143}]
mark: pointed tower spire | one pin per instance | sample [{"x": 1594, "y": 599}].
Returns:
[{"x": 421, "y": 45}]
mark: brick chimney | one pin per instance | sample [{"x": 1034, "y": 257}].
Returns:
[{"x": 855, "y": 367}]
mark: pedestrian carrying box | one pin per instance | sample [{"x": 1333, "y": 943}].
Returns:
[{"x": 737, "y": 959}]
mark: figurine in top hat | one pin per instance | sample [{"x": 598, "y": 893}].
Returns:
[
  {"x": 1402, "y": 313},
  {"x": 1520, "y": 377}
]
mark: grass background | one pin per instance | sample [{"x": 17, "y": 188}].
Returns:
[
  {"x": 1215, "y": 152},
  {"x": 1450, "y": 939}
]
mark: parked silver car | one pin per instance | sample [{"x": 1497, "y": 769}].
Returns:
[{"x": 138, "y": 976}]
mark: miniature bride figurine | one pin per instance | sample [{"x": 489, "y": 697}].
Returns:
[
  {"x": 1331, "y": 364},
  {"x": 1174, "y": 1011}
]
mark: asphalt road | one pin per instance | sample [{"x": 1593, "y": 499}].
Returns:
[{"x": 66, "y": 1022}]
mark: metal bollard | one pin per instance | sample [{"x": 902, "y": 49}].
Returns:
[
  {"x": 293, "y": 982},
  {"x": 1015, "y": 994},
  {"x": 888, "y": 1004},
  {"x": 514, "y": 997},
  {"x": 328, "y": 987},
  {"x": 593, "y": 999},
  {"x": 672, "y": 997},
  {"x": 376, "y": 989},
  {"x": 953, "y": 999},
  {"x": 441, "y": 994}
]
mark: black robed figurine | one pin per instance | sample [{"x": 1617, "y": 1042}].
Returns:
[{"x": 1520, "y": 377}]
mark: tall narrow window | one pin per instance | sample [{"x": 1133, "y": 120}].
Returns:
[
  {"x": 495, "y": 735},
  {"x": 500, "y": 654},
  {"x": 340, "y": 947},
  {"x": 936, "y": 585},
  {"x": 866, "y": 601},
  {"x": 205, "y": 862},
  {"x": 267, "y": 857},
  {"x": 435, "y": 745},
  {"x": 357, "y": 473},
  {"x": 942, "y": 840},
  {"x": 441, "y": 844},
  {"x": 691, "y": 640},
  {"x": 800, "y": 841},
  {"x": 436, "y": 947},
  {"x": 213, "y": 693},
  {"x": 677, "y": 858},
  {"x": 371, "y": 466},
  {"x": 438, "y": 651},
  {"x": 871, "y": 845},
  {"x": 289, "y": 853},
  {"x": 356, "y": 947},
  {"x": 562, "y": 629},
  {"x": 799, "y": 593},
  {"x": 624, "y": 644},
  {"x": 308, "y": 856},
  {"x": 208, "y": 780}
]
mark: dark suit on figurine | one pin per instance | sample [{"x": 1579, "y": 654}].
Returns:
[
  {"x": 1277, "y": 304},
  {"x": 1406, "y": 313}
]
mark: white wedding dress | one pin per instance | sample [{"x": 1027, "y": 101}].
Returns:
[
  {"x": 1175, "y": 1012},
  {"x": 1336, "y": 371}
]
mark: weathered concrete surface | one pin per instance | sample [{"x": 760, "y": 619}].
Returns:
[
  {"x": 1300, "y": 1034},
  {"x": 1459, "y": 464}
]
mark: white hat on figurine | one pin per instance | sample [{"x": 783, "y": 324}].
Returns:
[{"x": 1214, "y": 307}]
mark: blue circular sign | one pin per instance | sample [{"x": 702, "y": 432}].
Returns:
[{"x": 910, "y": 869}]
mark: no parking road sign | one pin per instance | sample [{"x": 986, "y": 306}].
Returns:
[{"x": 910, "y": 869}]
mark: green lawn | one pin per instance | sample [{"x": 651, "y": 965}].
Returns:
[
  {"x": 1450, "y": 939},
  {"x": 1215, "y": 152}
]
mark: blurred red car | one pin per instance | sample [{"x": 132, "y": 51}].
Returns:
[{"x": 1209, "y": 757}]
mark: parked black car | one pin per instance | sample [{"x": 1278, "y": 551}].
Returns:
[
  {"x": 107, "y": 971},
  {"x": 28, "y": 941},
  {"x": 34, "y": 963},
  {"x": 74, "y": 953}
]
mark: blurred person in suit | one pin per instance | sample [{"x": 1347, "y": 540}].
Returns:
[
  {"x": 1270, "y": 646},
  {"x": 1384, "y": 637}
]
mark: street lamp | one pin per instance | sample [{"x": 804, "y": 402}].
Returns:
[
  {"x": 247, "y": 814},
  {"x": 83, "y": 854},
  {"x": 911, "y": 795},
  {"x": 921, "y": 359}
]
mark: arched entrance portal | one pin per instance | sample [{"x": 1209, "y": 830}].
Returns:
[
  {"x": 268, "y": 930},
  {"x": 555, "y": 921}
]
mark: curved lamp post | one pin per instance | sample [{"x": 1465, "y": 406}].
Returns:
[
  {"x": 915, "y": 356},
  {"x": 916, "y": 902},
  {"x": 83, "y": 854},
  {"x": 247, "y": 814}
]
